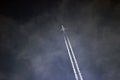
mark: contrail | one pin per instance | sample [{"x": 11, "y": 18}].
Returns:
[
  {"x": 76, "y": 70},
  {"x": 74, "y": 58},
  {"x": 75, "y": 73}
]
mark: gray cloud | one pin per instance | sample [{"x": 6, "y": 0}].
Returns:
[{"x": 37, "y": 51}]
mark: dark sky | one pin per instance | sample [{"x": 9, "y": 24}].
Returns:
[{"x": 32, "y": 45}]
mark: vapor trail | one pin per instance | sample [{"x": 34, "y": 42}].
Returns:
[
  {"x": 74, "y": 58},
  {"x": 70, "y": 56}
]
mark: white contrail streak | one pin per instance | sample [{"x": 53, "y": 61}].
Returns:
[
  {"x": 74, "y": 58},
  {"x": 70, "y": 56}
]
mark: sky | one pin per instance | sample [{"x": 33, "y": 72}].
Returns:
[{"x": 32, "y": 45}]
